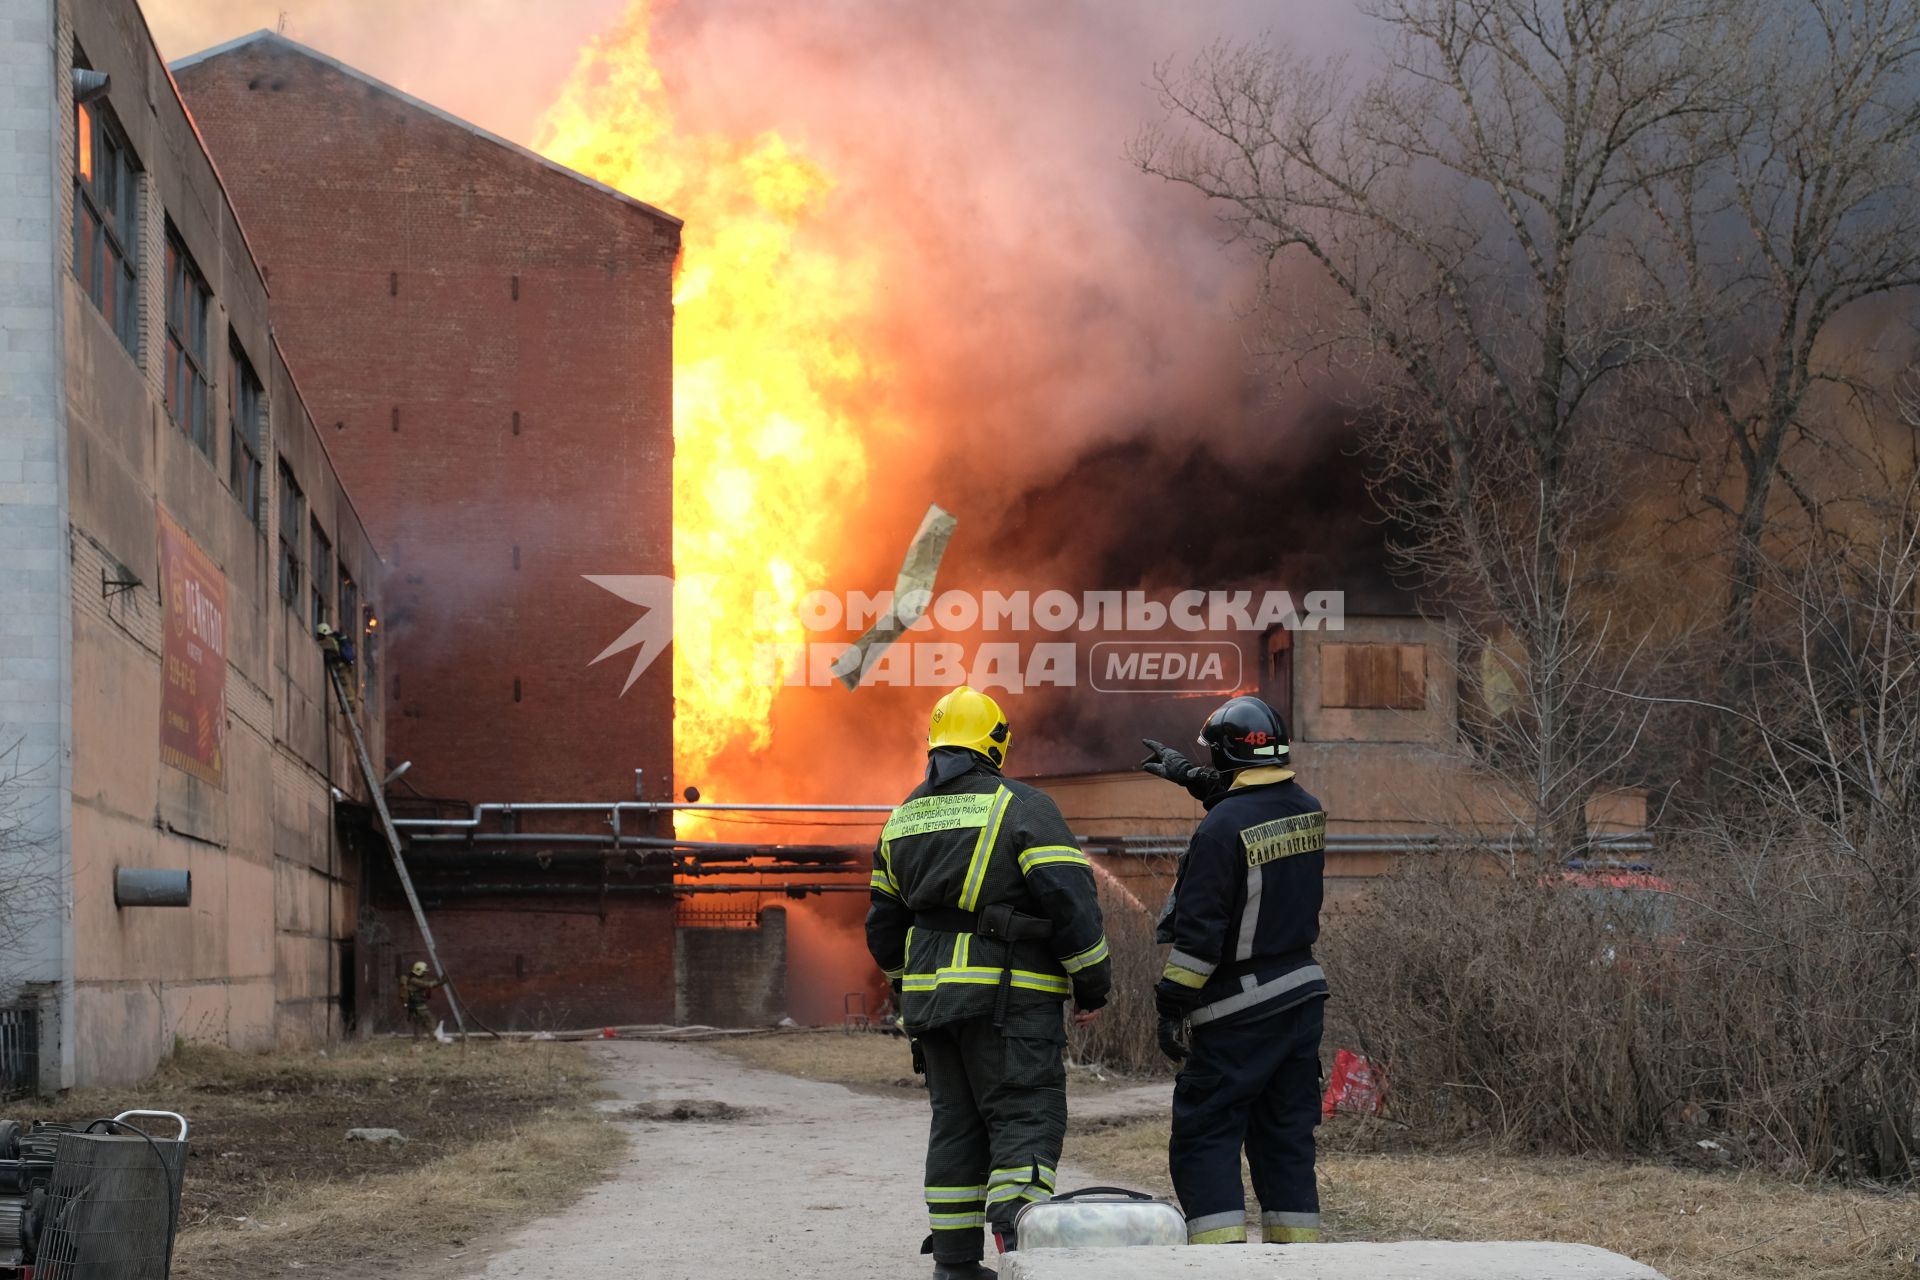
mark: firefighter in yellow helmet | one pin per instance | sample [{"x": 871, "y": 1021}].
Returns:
[
  {"x": 984, "y": 917},
  {"x": 415, "y": 988}
]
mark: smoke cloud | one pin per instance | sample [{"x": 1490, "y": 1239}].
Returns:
[{"x": 1060, "y": 355}]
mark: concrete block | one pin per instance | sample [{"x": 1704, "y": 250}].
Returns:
[{"x": 1411, "y": 1260}]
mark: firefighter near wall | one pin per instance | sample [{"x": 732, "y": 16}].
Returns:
[
  {"x": 1241, "y": 1000},
  {"x": 984, "y": 917}
]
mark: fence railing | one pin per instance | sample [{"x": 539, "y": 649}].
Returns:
[{"x": 19, "y": 1052}]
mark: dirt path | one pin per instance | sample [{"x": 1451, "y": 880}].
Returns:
[{"x": 805, "y": 1179}]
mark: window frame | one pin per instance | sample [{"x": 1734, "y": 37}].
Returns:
[
  {"x": 292, "y": 505},
  {"x": 189, "y": 302},
  {"x": 246, "y": 420},
  {"x": 348, "y": 593},
  {"x": 320, "y": 573},
  {"x": 106, "y": 206}
]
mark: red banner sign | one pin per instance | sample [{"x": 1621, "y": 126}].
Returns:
[{"x": 193, "y": 655}]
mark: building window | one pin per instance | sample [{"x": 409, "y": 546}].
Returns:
[
  {"x": 1374, "y": 677},
  {"x": 293, "y": 521},
  {"x": 322, "y": 576},
  {"x": 186, "y": 369},
  {"x": 349, "y": 603},
  {"x": 1276, "y": 672},
  {"x": 106, "y": 220},
  {"x": 370, "y": 650},
  {"x": 244, "y": 421}
]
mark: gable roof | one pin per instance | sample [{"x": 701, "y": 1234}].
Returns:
[{"x": 280, "y": 42}]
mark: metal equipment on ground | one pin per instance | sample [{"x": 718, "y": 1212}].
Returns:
[{"x": 90, "y": 1202}]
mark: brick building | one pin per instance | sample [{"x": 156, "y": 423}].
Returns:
[
  {"x": 1374, "y": 713},
  {"x": 171, "y": 531},
  {"x": 486, "y": 340}
]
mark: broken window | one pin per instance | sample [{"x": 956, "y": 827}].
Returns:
[
  {"x": 1276, "y": 671},
  {"x": 293, "y": 519},
  {"x": 322, "y": 576},
  {"x": 106, "y": 219},
  {"x": 186, "y": 368},
  {"x": 349, "y": 603},
  {"x": 1374, "y": 677}
]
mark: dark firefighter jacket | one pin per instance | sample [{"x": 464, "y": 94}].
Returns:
[
  {"x": 1245, "y": 910},
  {"x": 964, "y": 840}
]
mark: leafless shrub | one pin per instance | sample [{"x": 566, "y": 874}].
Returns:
[
  {"x": 1529, "y": 1009},
  {"x": 1123, "y": 1039},
  {"x": 1763, "y": 996},
  {"x": 29, "y": 869}
]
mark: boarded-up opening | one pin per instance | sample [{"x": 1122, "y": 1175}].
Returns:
[{"x": 1374, "y": 677}]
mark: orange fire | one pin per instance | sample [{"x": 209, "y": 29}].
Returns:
[{"x": 767, "y": 450}]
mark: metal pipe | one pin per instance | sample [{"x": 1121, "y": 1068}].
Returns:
[
  {"x": 694, "y": 847},
  {"x": 779, "y": 874},
  {"x": 614, "y": 807},
  {"x": 440, "y": 895},
  {"x": 152, "y": 887}
]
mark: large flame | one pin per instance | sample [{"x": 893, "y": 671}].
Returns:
[{"x": 766, "y": 450}]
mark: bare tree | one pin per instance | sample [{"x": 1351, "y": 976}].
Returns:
[
  {"x": 1810, "y": 883},
  {"x": 1793, "y": 213},
  {"x": 1765, "y": 993},
  {"x": 29, "y": 876},
  {"x": 1470, "y": 224}
]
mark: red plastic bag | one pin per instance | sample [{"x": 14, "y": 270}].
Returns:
[{"x": 1357, "y": 1087}]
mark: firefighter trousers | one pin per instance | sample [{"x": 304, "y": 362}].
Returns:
[
  {"x": 999, "y": 1116},
  {"x": 1252, "y": 1083}
]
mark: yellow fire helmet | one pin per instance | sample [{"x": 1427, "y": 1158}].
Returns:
[
  {"x": 965, "y": 718},
  {"x": 419, "y": 968}
]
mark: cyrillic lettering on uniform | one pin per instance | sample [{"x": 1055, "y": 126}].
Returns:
[
  {"x": 927, "y": 814},
  {"x": 1285, "y": 838}
]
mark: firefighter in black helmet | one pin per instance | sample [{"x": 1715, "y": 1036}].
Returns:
[
  {"x": 984, "y": 918},
  {"x": 1240, "y": 1002}
]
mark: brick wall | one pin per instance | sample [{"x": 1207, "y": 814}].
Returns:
[
  {"x": 485, "y": 344},
  {"x": 547, "y": 964},
  {"x": 256, "y": 958},
  {"x": 732, "y": 977}
]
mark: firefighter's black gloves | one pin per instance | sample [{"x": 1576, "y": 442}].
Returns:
[
  {"x": 1173, "y": 1003},
  {"x": 1171, "y": 1000},
  {"x": 1164, "y": 762},
  {"x": 1172, "y": 1034}
]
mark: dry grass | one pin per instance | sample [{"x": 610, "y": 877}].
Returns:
[
  {"x": 498, "y": 1134},
  {"x": 1690, "y": 1225},
  {"x": 868, "y": 1061}
]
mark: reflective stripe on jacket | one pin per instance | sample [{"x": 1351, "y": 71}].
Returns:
[
  {"x": 1245, "y": 910},
  {"x": 966, "y": 839}
]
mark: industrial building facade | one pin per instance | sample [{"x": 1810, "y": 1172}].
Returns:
[
  {"x": 485, "y": 338},
  {"x": 1374, "y": 712},
  {"x": 172, "y": 530}
]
